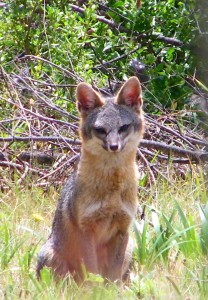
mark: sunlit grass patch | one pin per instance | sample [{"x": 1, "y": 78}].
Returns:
[{"x": 170, "y": 256}]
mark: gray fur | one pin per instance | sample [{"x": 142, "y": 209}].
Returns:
[
  {"x": 111, "y": 123},
  {"x": 110, "y": 116}
]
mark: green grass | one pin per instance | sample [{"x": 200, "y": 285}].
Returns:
[{"x": 170, "y": 257}]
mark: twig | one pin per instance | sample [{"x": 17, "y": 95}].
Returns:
[
  {"x": 28, "y": 22},
  {"x": 10, "y": 164},
  {"x": 65, "y": 71},
  {"x": 48, "y": 102},
  {"x": 24, "y": 175},
  {"x": 173, "y": 132},
  {"x": 197, "y": 141},
  {"x": 11, "y": 120},
  {"x": 117, "y": 58},
  {"x": 72, "y": 159},
  {"x": 147, "y": 164},
  {"x": 20, "y": 167},
  {"x": 41, "y": 117},
  {"x": 55, "y": 85}
]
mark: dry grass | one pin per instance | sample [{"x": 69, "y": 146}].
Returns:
[{"x": 169, "y": 260}]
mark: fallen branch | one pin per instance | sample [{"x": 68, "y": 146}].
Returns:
[
  {"x": 21, "y": 167},
  {"x": 161, "y": 157},
  {"x": 194, "y": 156},
  {"x": 169, "y": 130},
  {"x": 40, "y": 139},
  {"x": 38, "y": 157}
]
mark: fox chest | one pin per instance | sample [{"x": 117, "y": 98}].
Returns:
[{"x": 106, "y": 217}]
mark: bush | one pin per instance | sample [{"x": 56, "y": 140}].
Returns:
[{"x": 82, "y": 43}]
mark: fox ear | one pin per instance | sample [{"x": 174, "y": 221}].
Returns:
[
  {"x": 130, "y": 94},
  {"x": 87, "y": 98}
]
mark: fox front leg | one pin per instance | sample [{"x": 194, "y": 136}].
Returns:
[
  {"x": 118, "y": 262},
  {"x": 89, "y": 261}
]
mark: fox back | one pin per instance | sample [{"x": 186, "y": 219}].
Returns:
[{"x": 99, "y": 201}]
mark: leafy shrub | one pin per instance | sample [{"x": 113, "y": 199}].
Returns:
[{"x": 81, "y": 43}]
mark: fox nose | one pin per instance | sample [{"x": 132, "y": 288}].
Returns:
[{"x": 114, "y": 147}]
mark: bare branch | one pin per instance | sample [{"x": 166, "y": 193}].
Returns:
[
  {"x": 21, "y": 167},
  {"x": 165, "y": 157},
  {"x": 117, "y": 58},
  {"x": 195, "y": 156},
  {"x": 168, "y": 129},
  {"x": 147, "y": 164},
  {"x": 41, "y": 117},
  {"x": 120, "y": 28},
  {"x": 40, "y": 139}
]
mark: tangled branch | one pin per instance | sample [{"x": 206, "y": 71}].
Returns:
[
  {"x": 49, "y": 145},
  {"x": 194, "y": 156}
]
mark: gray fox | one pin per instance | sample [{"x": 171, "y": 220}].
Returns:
[{"x": 90, "y": 231}]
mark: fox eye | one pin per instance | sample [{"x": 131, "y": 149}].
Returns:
[
  {"x": 100, "y": 130},
  {"x": 124, "y": 128}
]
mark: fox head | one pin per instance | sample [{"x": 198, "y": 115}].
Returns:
[{"x": 112, "y": 124}]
